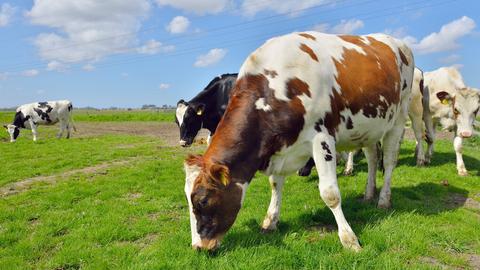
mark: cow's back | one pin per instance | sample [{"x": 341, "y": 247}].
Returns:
[{"x": 343, "y": 85}]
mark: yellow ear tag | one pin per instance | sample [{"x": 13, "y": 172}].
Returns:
[
  {"x": 445, "y": 102},
  {"x": 200, "y": 112},
  {"x": 224, "y": 180}
]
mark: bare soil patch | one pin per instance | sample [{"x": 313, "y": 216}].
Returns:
[
  {"x": 25, "y": 184},
  {"x": 167, "y": 132}
]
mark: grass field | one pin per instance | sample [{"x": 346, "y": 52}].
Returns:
[{"x": 116, "y": 201}]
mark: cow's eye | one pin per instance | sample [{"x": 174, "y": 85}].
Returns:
[{"x": 456, "y": 112}]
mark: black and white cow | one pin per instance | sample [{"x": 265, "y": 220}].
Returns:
[
  {"x": 204, "y": 110},
  {"x": 30, "y": 116}
]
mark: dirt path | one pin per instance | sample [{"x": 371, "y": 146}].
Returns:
[
  {"x": 102, "y": 168},
  {"x": 168, "y": 132}
]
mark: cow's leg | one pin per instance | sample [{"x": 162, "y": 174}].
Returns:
[
  {"x": 417, "y": 126},
  {"x": 33, "y": 126},
  {"x": 307, "y": 169},
  {"x": 69, "y": 131},
  {"x": 62, "y": 129},
  {"x": 371, "y": 153},
  {"x": 349, "y": 164},
  {"x": 457, "y": 145},
  {"x": 429, "y": 138},
  {"x": 325, "y": 160},
  {"x": 391, "y": 147},
  {"x": 273, "y": 214}
]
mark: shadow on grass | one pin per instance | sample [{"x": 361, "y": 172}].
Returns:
[{"x": 425, "y": 199}]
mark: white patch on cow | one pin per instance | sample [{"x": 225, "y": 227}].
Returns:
[
  {"x": 191, "y": 173},
  {"x": 244, "y": 188},
  {"x": 180, "y": 113},
  {"x": 260, "y": 104},
  {"x": 11, "y": 130}
]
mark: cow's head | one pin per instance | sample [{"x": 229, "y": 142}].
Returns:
[
  {"x": 13, "y": 130},
  {"x": 189, "y": 118},
  {"x": 213, "y": 199},
  {"x": 465, "y": 104}
]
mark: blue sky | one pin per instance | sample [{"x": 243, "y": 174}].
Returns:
[{"x": 129, "y": 53}]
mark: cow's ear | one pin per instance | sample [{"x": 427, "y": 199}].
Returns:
[
  {"x": 444, "y": 97},
  {"x": 5, "y": 126},
  {"x": 181, "y": 101},
  {"x": 200, "y": 109},
  {"x": 220, "y": 174}
]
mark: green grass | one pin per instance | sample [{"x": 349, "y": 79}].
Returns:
[
  {"x": 135, "y": 216},
  {"x": 109, "y": 116}
]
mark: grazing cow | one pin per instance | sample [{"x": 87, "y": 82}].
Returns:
[
  {"x": 453, "y": 105},
  {"x": 297, "y": 96},
  {"x": 205, "y": 110},
  {"x": 42, "y": 113}
]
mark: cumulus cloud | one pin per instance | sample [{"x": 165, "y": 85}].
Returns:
[
  {"x": 344, "y": 27},
  {"x": 252, "y": 7},
  {"x": 56, "y": 66},
  {"x": 30, "y": 73},
  {"x": 212, "y": 57},
  {"x": 88, "y": 67},
  {"x": 86, "y": 30},
  {"x": 447, "y": 38},
  {"x": 6, "y": 13},
  {"x": 178, "y": 25},
  {"x": 200, "y": 7},
  {"x": 164, "y": 86},
  {"x": 153, "y": 47}
]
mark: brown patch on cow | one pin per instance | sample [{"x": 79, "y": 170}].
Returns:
[
  {"x": 305, "y": 35},
  {"x": 403, "y": 57},
  {"x": 271, "y": 73},
  {"x": 361, "y": 84},
  {"x": 297, "y": 87},
  {"x": 309, "y": 51}
]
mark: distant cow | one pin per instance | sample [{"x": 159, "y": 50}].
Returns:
[
  {"x": 297, "y": 96},
  {"x": 30, "y": 116},
  {"x": 453, "y": 105},
  {"x": 204, "y": 110}
]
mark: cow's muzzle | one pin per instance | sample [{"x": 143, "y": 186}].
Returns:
[
  {"x": 207, "y": 244},
  {"x": 186, "y": 143},
  {"x": 466, "y": 134}
]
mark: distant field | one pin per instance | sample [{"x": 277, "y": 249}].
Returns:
[
  {"x": 110, "y": 116},
  {"x": 116, "y": 201}
]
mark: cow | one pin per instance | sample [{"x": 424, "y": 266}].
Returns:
[
  {"x": 301, "y": 95},
  {"x": 30, "y": 116},
  {"x": 451, "y": 104},
  {"x": 204, "y": 110}
]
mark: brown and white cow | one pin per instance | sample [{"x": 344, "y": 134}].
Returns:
[
  {"x": 453, "y": 105},
  {"x": 297, "y": 96}
]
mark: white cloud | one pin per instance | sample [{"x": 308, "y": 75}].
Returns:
[
  {"x": 88, "y": 67},
  {"x": 344, "y": 27},
  {"x": 252, "y": 7},
  {"x": 450, "y": 59},
  {"x": 30, "y": 73},
  {"x": 447, "y": 38},
  {"x": 86, "y": 30},
  {"x": 153, "y": 47},
  {"x": 178, "y": 25},
  {"x": 56, "y": 66},
  {"x": 212, "y": 57},
  {"x": 164, "y": 86},
  {"x": 457, "y": 66},
  {"x": 200, "y": 7},
  {"x": 6, "y": 13},
  {"x": 401, "y": 34}
]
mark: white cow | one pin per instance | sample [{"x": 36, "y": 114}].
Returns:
[
  {"x": 42, "y": 113},
  {"x": 452, "y": 104}
]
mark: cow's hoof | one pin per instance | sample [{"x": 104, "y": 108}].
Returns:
[
  {"x": 462, "y": 173},
  {"x": 348, "y": 172},
  {"x": 349, "y": 241},
  {"x": 266, "y": 231},
  {"x": 421, "y": 162},
  {"x": 269, "y": 225},
  {"x": 368, "y": 198},
  {"x": 384, "y": 204},
  {"x": 304, "y": 172}
]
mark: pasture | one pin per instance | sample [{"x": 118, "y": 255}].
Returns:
[{"x": 112, "y": 198}]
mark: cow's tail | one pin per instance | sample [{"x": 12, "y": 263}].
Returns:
[
  {"x": 70, "y": 114},
  {"x": 426, "y": 114}
]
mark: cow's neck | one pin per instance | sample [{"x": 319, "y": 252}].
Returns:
[{"x": 237, "y": 142}]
